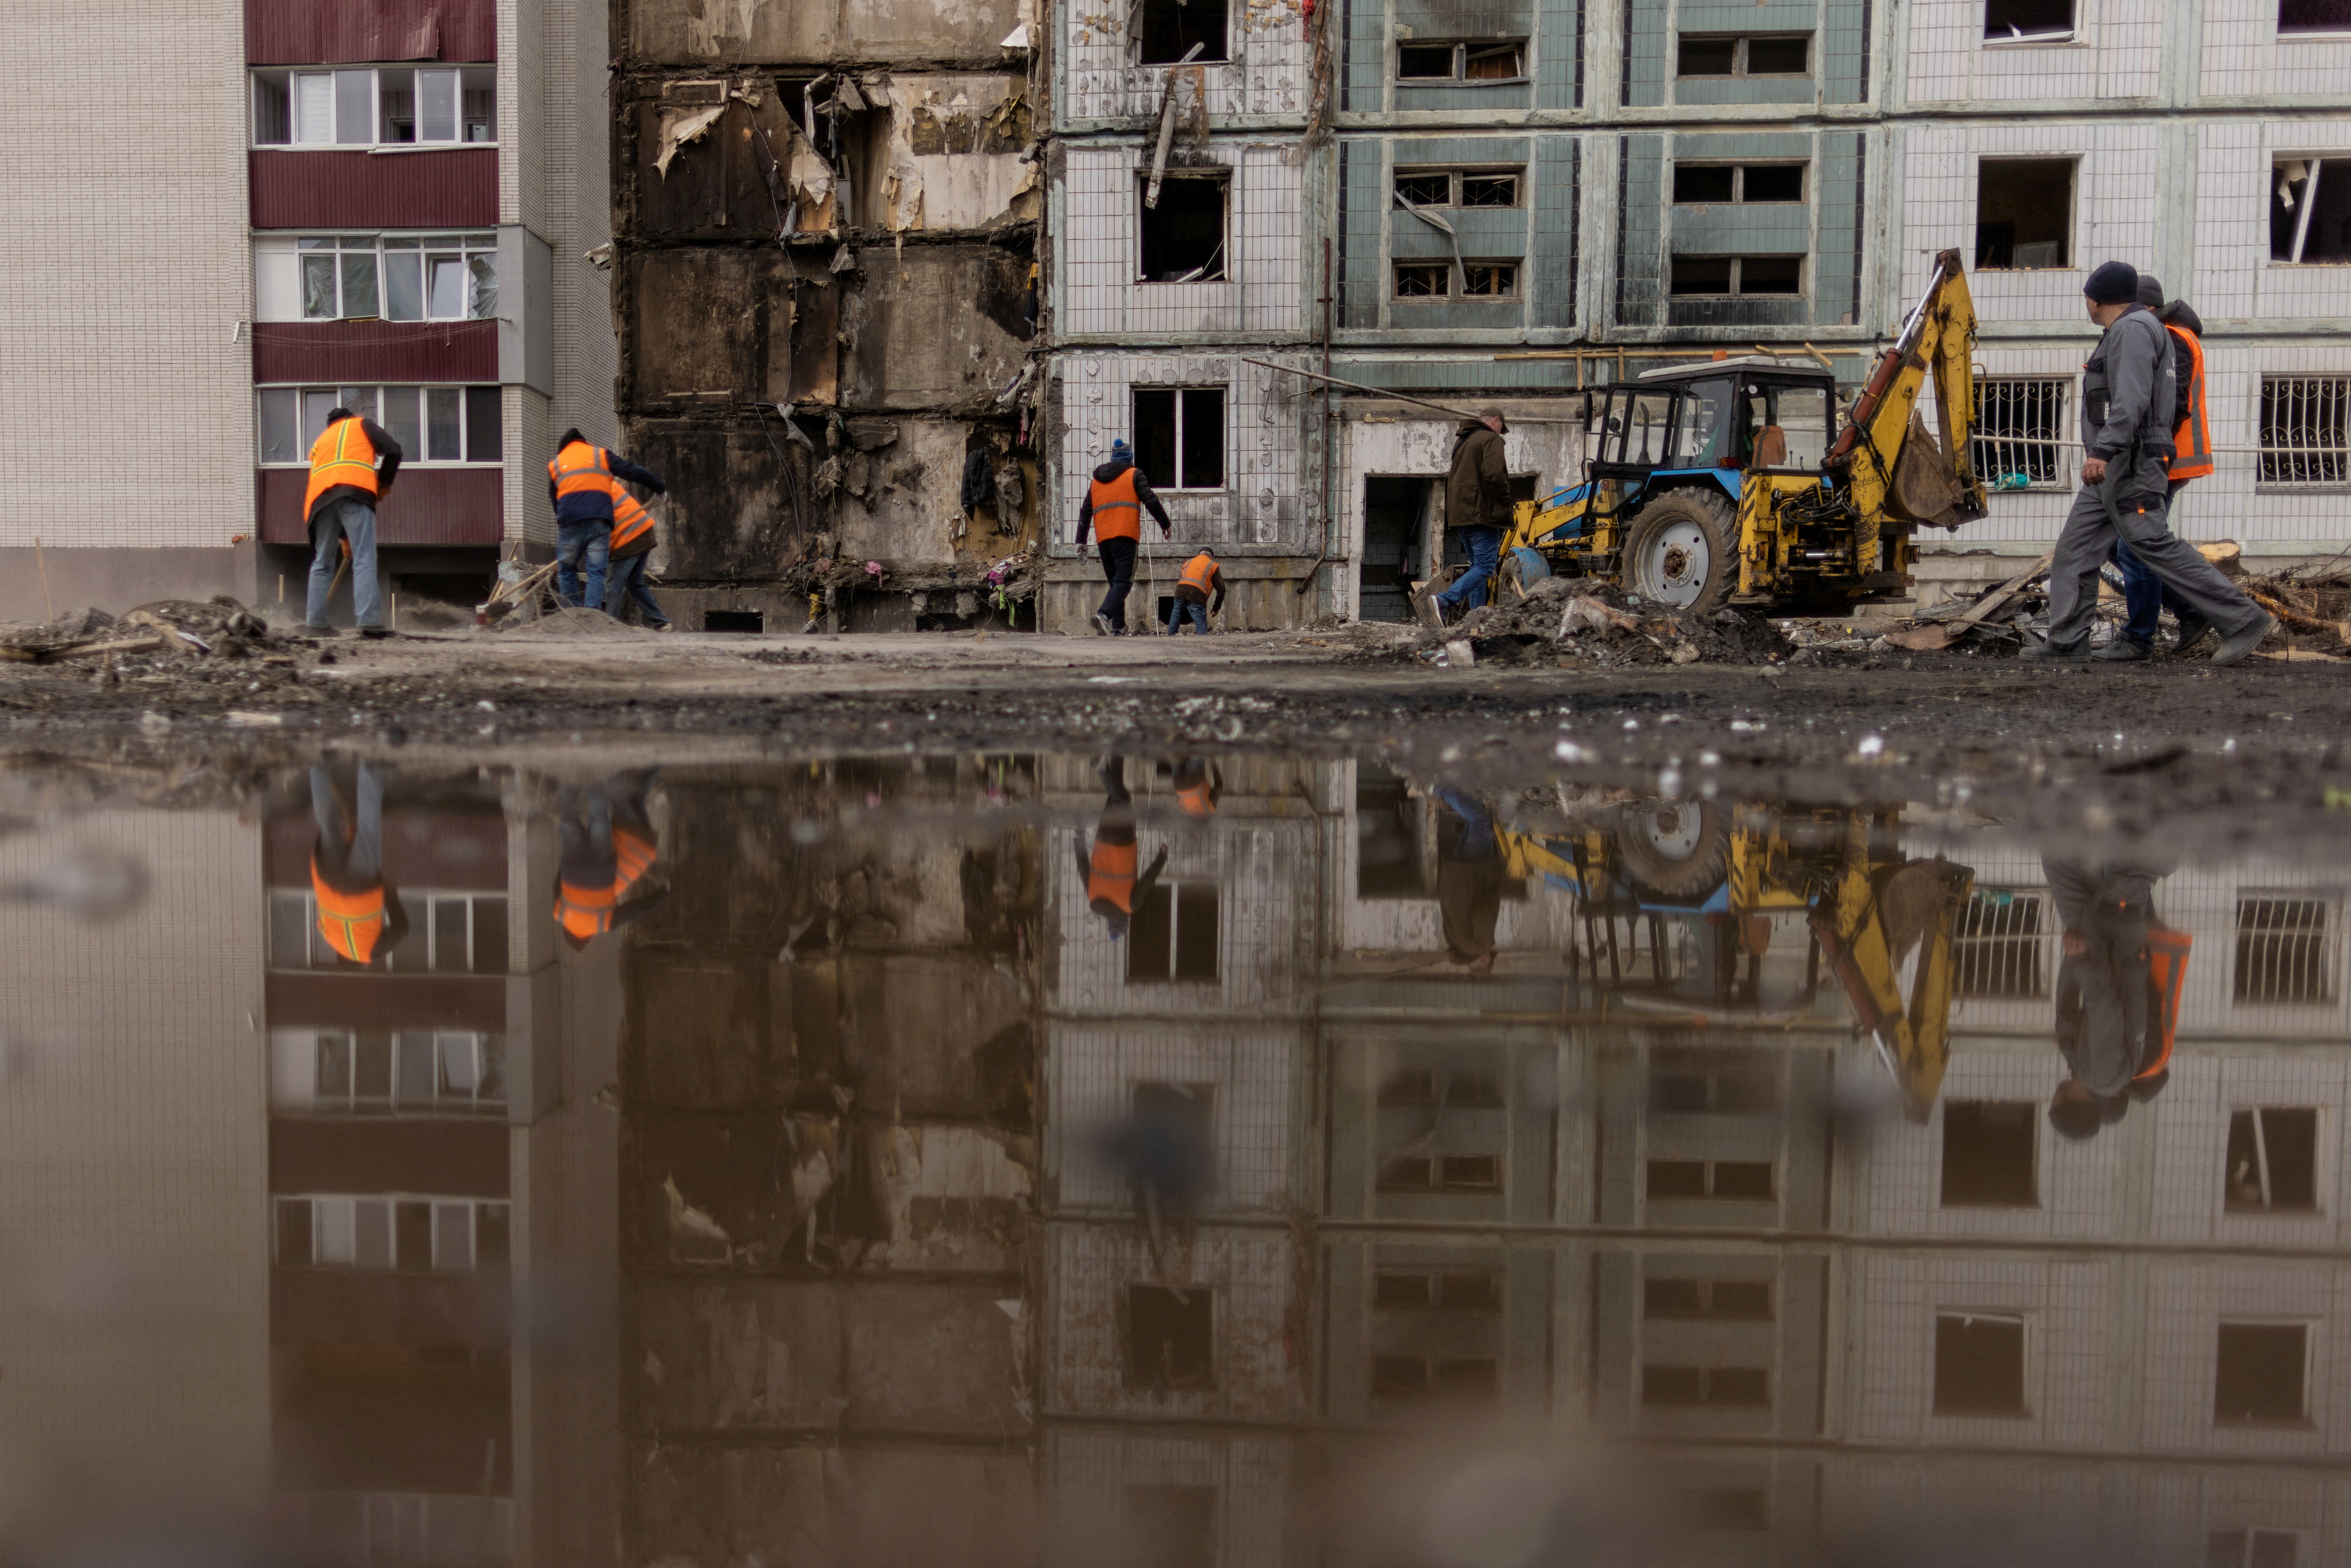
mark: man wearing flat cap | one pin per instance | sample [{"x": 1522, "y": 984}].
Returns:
[{"x": 2128, "y": 393}]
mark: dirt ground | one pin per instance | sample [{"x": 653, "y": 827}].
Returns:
[{"x": 2251, "y": 751}]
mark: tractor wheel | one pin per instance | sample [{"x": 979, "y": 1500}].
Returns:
[
  {"x": 1683, "y": 551},
  {"x": 1675, "y": 849}
]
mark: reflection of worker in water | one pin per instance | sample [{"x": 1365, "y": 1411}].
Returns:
[
  {"x": 1112, "y": 887},
  {"x": 360, "y": 917},
  {"x": 1470, "y": 880},
  {"x": 1198, "y": 787},
  {"x": 2116, "y": 989},
  {"x": 606, "y": 847}
]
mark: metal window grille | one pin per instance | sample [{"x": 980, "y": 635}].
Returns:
[
  {"x": 1997, "y": 945},
  {"x": 2284, "y": 954},
  {"x": 2306, "y": 430},
  {"x": 2020, "y": 421}
]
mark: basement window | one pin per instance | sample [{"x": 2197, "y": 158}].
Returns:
[
  {"x": 1707, "y": 55},
  {"x": 2024, "y": 213},
  {"x": 2284, "y": 954},
  {"x": 2306, "y": 440},
  {"x": 1184, "y": 235},
  {"x": 2310, "y": 209},
  {"x": 1708, "y": 277},
  {"x": 1174, "y": 934},
  {"x": 1716, "y": 1301},
  {"x": 2019, "y": 425},
  {"x": 2253, "y": 1549},
  {"x": 1170, "y": 1338},
  {"x": 1171, "y": 1526},
  {"x": 1706, "y": 1387},
  {"x": 1179, "y": 437},
  {"x": 1736, "y": 1181},
  {"x": 370, "y": 107},
  {"x": 2273, "y": 1161},
  {"x": 2315, "y": 16},
  {"x": 1479, "y": 62},
  {"x": 2028, "y": 21},
  {"x": 1989, "y": 1154},
  {"x": 1171, "y": 27},
  {"x": 2261, "y": 1375},
  {"x": 1979, "y": 1364}
]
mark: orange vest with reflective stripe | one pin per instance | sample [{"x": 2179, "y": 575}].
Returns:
[
  {"x": 1111, "y": 875},
  {"x": 587, "y": 912},
  {"x": 351, "y": 923},
  {"x": 1200, "y": 572},
  {"x": 1118, "y": 510},
  {"x": 630, "y": 521},
  {"x": 581, "y": 468},
  {"x": 342, "y": 455},
  {"x": 2167, "y": 952},
  {"x": 1197, "y": 799},
  {"x": 2192, "y": 441}
]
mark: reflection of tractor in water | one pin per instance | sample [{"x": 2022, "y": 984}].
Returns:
[
  {"x": 1731, "y": 480},
  {"x": 1731, "y": 878}
]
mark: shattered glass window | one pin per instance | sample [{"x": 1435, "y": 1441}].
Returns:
[{"x": 482, "y": 288}]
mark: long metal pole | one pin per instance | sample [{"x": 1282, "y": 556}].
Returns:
[{"x": 1391, "y": 396}]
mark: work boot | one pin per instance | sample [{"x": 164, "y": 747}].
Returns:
[
  {"x": 2192, "y": 632},
  {"x": 320, "y": 632},
  {"x": 2049, "y": 653},
  {"x": 2235, "y": 647},
  {"x": 2123, "y": 650},
  {"x": 375, "y": 632},
  {"x": 1102, "y": 627}
]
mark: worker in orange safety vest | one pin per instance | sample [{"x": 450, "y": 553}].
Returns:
[
  {"x": 583, "y": 484},
  {"x": 1201, "y": 579},
  {"x": 631, "y": 552},
  {"x": 360, "y": 919},
  {"x": 606, "y": 848},
  {"x": 2144, "y": 595},
  {"x": 1198, "y": 787},
  {"x": 1115, "y": 501},
  {"x": 2119, "y": 988},
  {"x": 352, "y": 465},
  {"x": 1112, "y": 888}
]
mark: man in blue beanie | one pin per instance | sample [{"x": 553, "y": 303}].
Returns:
[
  {"x": 1115, "y": 500},
  {"x": 2129, "y": 390}
]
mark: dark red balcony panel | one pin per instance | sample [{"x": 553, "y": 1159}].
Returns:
[
  {"x": 306, "y": 33},
  {"x": 454, "y": 188},
  {"x": 360, "y": 353},
  {"x": 426, "y": 507},
  {"x": 370, "y": 1306},
  {"x": 378, "y": 1154},
  {"x": 377, "y": 1000}
]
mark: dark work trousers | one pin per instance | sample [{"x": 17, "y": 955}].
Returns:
[
  {"x": 2143, "y": 594},
  {"x": 1118, "y": 565},
  {"x": 2088, "y": 539}
]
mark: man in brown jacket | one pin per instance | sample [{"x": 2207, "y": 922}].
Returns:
[{"x": 1478, "y": 504}]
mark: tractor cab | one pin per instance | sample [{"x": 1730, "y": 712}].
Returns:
[{"x": 1717, "y": 418}]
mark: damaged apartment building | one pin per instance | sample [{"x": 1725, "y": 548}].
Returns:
[
  {"x": 824, "y": 291},
  {"x": 1513, "y": 202}
]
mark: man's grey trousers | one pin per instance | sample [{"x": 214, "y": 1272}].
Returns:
[{"x": 2088, "y": 539}]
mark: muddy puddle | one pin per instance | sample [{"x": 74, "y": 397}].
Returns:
[{"x": 1160, "y": 1162}]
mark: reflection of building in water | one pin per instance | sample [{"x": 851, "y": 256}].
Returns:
[
  {"x": 1699, "y": 1219},
  {"x": 441, "y": 1181},
  {"x": 830, "y": 1158}
]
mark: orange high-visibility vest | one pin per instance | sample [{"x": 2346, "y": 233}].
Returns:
[
  {"x": 587, "y": 912},
  {"x": 1118, "y": 510},
  {"x": 351, "y": 923},
  {"x": 1200, "y": 572},
  {"x": 2167, "y": 952},
  {"x": 1197, "y": 799},
  {"x": 580, "y": 467},
  {"x": 630, "y": 521},
  {"x": 1111, "y": 875},
  {"x": 342, "y": 455},
  {"x": 2191, "y": 442}
]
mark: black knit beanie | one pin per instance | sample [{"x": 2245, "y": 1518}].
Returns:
[{"x": 2114, "y": 283}]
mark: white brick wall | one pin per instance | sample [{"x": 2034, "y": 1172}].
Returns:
[{"x": 1261, "y": 459}]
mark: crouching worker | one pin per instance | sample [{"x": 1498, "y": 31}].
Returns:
[
  {"x": 631, "y": 552},
  {"x": 583, "y": 484},
  {"x": 1200, "y": 580}
]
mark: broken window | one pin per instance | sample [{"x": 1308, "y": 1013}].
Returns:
[
  {"x": 1741, "y": 182},
  {"x": 1424, "y": 280},
  {"x": 1979, "y": 1364},
  {"x": 2284, "y": 954},
  {"x": 2272, "y": 1161},
  {"x": 433, "y": 424},
  {"x": 1170, "y": 1337},
  {"x": 2253, "y": 1549},
  {"x": 1701, "y": 276},
  {"x": 1699, "y": 1082},
  {"x": 1426, "y": 190},
  {"x": 1722, "y": 1301},
  {"x": 393, "y": 106},
  {"x": 1739, "y": 1181},
  {"x": 2041, "y": 21},
  {"x": 2261, "y": 1374},
  {"x": 1489, "y": 190},
  {"x": 1170, "y": 1527},
  {"x": 1170, "y": 29},
  {"x": 2310, "y": 209},
  {"x": 2024, "y": 212},
  {"x": 1184, "y": 235},
  {"x": 1478, "y": 62},
  {"x": 2019, "y": 426},
  {"x": 1438, "y": 188},
  {"x": 1174, "y": 935},
  {"x": 1711, "y": 55},
  {"x": 1489, "y": 279},
  {"x": 1996, "y": 946},
  {"x": 2305, "y": 431},
  {"x": 1989, "y": 1152},
  {"x": 1706, "y": 1387},
  {"x": 443, "y": 277},
  {"x": 1179, "y": 437}
]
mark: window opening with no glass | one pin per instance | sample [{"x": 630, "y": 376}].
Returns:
[
  {"x": 1979, "y": 1364},
  {"x": 1706, "y": 1387},
  {"x": 1741, "y": 182},
  {"x": 1989, "y": 1151},
  {"x": 1183, "y": 238},
  {"x": 1703, "y": 276},
  {"x": 1478, "y": 62},
  {"x": 1739, "y": 1181},
  {"x": 1732, "y": 55},
  {"x": 1722, "y": 1301},
  {"x": 2313, "y": 17},
  {"x": 1169, "y": 28},
  {"x": 2015, "y": 21},
  {"x": 2272, "y": 1160},
  {"x": 2024, "y": 213},
  {"x": 1170, "y": 1337},
  {"x": 2310, "y": 209},
  {"x": 1179, "y": 437},
  {"x": 2261, "y": 1374}
]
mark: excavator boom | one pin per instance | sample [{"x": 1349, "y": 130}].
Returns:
[{"x": 1898, "y": 469}]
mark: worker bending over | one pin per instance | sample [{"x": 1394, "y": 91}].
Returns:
[
  {"x": 352, "y": 464},
  {"x": 1114, "y": 510},
  {"x": 359, "y": 917},
  {"x": 1113, "y": 889},
  {"x": 1201, "y": 577},
  {"x": 632, "y": 552},
  {"x": 606, "y": 847},
  {"x": 583, "y": 481}
]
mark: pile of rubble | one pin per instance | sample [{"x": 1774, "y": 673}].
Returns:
[
  {"x": 1577, "y": 619},
  {"x": 218, "y": 628}
]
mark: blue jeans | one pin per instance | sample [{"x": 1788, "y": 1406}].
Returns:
[
  {"x": 1477, "y": 840},
  {"x": 2144, "y": 594},
  {"x": 1176, "y": 617},
  {"x": 590, "y": 540},
  {"x": 627, "y": 577},
  {"x": 1485, "y": 556},
  {"x": 338, "y": 520}
]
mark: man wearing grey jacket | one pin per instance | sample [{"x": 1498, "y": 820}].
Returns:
[{"x": 2127, "y": 396}]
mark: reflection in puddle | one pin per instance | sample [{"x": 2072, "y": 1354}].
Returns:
[{"x": 1163, "y": 1162}]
